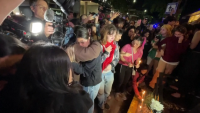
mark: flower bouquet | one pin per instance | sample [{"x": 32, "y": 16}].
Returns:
[{"x": 156, "y": 106}]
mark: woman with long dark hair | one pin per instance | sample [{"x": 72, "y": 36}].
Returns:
[
  {"x": 11, "y": 53},
  {"x": 46, "y": 82},
  {"x": 127, "y": 37},
  {"x": 129, "y": 57},
  {"x": 90, "y": 70}
]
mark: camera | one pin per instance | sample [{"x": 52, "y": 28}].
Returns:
[
  {"x": 11, "y": 28},
  {"x": 104, "y": 8},
  {"x": 58, "y": 24}
]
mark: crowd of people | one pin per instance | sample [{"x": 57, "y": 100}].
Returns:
[{"x": 100, "y": 55}]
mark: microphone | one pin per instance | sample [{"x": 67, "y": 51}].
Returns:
[
  {"x": 49, "y": 15},
  {"x": 66, "y": 6}
]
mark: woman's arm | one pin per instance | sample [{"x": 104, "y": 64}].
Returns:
[
  {"x": 116, "y": 58},
  {"x": 195, "y": 40},
  {"x": 153, "y": 44},
  {"x": 87, "y": 53},
  {"x": 122, "y": 54},
  {"x": 85, "y": 68},
  {"x": 135, "y": 87}
]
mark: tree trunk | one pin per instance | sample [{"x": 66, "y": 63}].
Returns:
[{"x": 179, "y": 10}]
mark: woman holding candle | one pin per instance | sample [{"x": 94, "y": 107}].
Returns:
[
  {"x": 129, "y": 57},
  {"x": 139, "y": 78}
]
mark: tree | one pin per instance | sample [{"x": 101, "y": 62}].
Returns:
[
  {"x": 121, "y": 5},
  {"x": 160, "y": 6}
]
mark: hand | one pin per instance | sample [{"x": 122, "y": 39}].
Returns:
[
  {"x": 71, "y": 24},
  {"x": 162, "y": 52},
  {"x": 90, "y": 17},
  {"x": 138, "y": 65},
  {"x": 180, "y": 40},
  {"x": 127, "y": 54},
  {"x": 48, "y": 30},
  {"x": 130, "y": 65},
  {"x": 119, "y": 47},
  {"x": 96, "y": 17},
  {"x": 139, "y": 97},
  {"x": 137, "y": 84},
  {"x": 115, "y": 15},
  {"x": 108, "y": 49},
  {"x": 109, "y": 67}
]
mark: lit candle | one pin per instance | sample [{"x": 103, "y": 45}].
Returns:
[
  {"x": 139, "y": 61},
  {"x": 140, "y": 107},
  {"x": 143, "y": 93}
]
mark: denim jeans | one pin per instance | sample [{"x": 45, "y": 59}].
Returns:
[
  {"x": 92, "y": 91},
  {"x": 105, "y": 88}
]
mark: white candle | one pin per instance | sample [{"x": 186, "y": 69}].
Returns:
[{"x": 143, "y": 93}]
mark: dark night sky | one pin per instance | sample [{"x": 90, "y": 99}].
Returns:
[{"x": 191, "y": 6}]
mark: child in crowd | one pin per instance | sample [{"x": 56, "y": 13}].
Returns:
[{"x": 139, "y": 78}]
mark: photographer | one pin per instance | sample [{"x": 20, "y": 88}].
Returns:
[{"x": 39, "y": 7}]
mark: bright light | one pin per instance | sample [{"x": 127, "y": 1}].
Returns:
[
  {"x": 36, "y": 27},
  {"x": 140, "y": 106},
  {"x": 142, "y": 99},
  {"x": 139, "y": 61},
  {"x": 143, "y": 92},
  {"x": 17, "y": 13},
  {"x": 127, "y": 13},
  {"x": 145, "y": 10},
  {"x": 134, "y": 1}
]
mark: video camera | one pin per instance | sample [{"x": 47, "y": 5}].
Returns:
[
  {"x": 11, "y": 28},
  {"x": 104, "y": 7}
]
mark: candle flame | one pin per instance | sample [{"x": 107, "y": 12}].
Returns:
[
  {"x": 142, "y": 99},
  {"x": 143, "y": 92},
  {"x": 139, "y": 61},
  {"x": 140, "y": 106}
]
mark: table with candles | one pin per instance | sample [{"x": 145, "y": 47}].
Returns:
[{"x": 138, "y": 106}]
